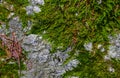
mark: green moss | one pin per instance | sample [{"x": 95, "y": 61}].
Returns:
[
  {"x": 67, "y": 21},
  {"x": 74, "y": 23},
  {"x": 71, "y": 23},
  {"x": 8, "y": 70},
  {"x": 92, "y": 66},
  {"x": 18, "y": 8}
]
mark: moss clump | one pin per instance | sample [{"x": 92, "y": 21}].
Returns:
[
  {"x": 16, "y": 7},
  {"x": 9, "y": 68},
  {"x": 72, "y": 24}
]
